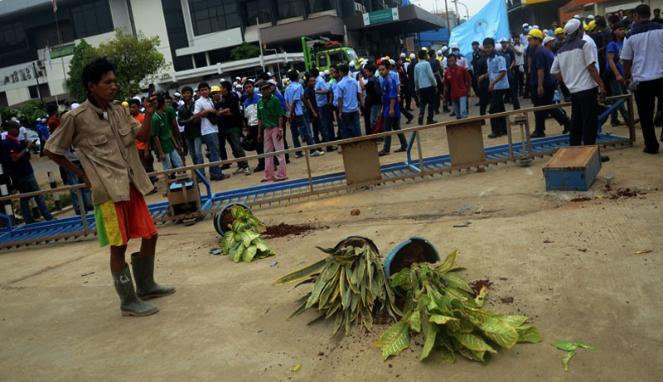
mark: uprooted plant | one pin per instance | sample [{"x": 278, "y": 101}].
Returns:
[
  {"x": 349, "y": 286},
  {"x": 439, "y": 304},
  {"x": 242, "y": 242}
]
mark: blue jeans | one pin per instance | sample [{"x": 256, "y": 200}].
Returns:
[
  {"x": 72, "y": 180},
  {"x": 460, "y": 107},
  {"x": 351, "y": 125},
  {"x": 391, "y": 124},
  {"x": 172, "y": 160},
  {"x": 326, "y": 125},
  {"x": 212, "y": 143},
  {"x": 195, "y": 147},
  {"x": 299, "y": 127},
  {"x": 28, "y": 183}
]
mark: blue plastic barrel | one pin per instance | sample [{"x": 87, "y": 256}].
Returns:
[{"x": 416, "y": 248}]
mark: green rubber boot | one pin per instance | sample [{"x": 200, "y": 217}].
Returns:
[
  {"x": 146, "y": 287},
  {"x": 130, "y": 304}
]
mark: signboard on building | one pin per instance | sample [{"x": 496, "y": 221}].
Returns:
[
  {"x": 62, "y": 50},
  {"x": 381, "y": 17}
]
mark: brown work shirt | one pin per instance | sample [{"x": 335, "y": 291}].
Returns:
[{"x": 105, "y": 144}]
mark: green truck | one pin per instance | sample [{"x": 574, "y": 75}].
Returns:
[{"x": 322, "y": 53}]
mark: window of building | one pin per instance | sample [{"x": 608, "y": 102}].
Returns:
[
  {"x": 12, "y": 37},
  {"x": 92, "y": 18},
  {"x": 34, "y": 92},
  {"x": 212, "y": 16},
  {"x": 291, "y": 8},
  {"x": 172, "y": 12},
  {"x": 200, "y": 59},
  {"x": 320, "y": 5},
  {"x": 258, "y": 9},
  {"x": 3, "y": 99}
]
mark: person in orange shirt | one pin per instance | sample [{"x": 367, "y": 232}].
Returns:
[{"x": 144, "y": 152}]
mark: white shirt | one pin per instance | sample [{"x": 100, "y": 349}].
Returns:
[
  {"x": 22, "y": 134},
  {"x": 520, "y": 56},
  {"x": 572, "y": 61},
  {"x": 595, "y": 50},
  {"x": 645, "y": 49},
  {"x": 206, "y": 127}
]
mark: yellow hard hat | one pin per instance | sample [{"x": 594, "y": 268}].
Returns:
[
  {"x": 559, "y": 31},
  {"x": 590, "y": 26},
  {"x": 535, "y": 33},
  {"x": 215, "y": 89},
  {"x": 424, "y": 49},
  {"x": 125, "y": 103}
]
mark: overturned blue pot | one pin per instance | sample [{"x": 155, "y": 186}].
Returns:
[
  {"x": 412, "y": 250},
  {"x": 223, "y": 218}
]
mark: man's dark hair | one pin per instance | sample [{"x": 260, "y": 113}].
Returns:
[
  {"x": 95, "y": 70},
  {"x": 249, "y": 83},
  {"x": 489, "y": 41},
  {"x": 452, "y": 55},
  {"x": 264, "y": 76},
  {"x": 422, "y": 54},
  {"x": 10, "y": 124},
  {"x": 227, "y": 85},
  {"x": 370, "y": 67},
  {"x": 344, "y": 69},
  {"x": 475, "y": 43},
  {"x": 315, "y": 72},
  {"x": 167, "y": 96},
  {"x": 187, "y": 89},
  {"x": 432, "y": 53},
  {"x": 293, "y": 75},
  {"x": 613, "y": 19},
  {"x": 134, "y": 101},
  {"x": 643, "y": 11},
  {"x": 51, "y": 109},
  {"x": 600, "y": 21},
  {"x": 203, "y": 85},
  {"x": 386, "y": 64}
]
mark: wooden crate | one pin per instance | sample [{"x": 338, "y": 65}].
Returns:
[
  {"x": 183, "y": 197},
  {"x": 572, "y": 168}
]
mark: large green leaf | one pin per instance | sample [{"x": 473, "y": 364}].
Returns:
[
  {"x": 500, "y": 332},
  {"x": 395, "y": 339},
  {"x": 430, "y": 333},
  {"x": 415, "y": 321},
  {"x": 301, "y": 274},
  {"x": 474, "y": 343},
  {"x": 571, "y": 345},
  {"x": 448, "y": 263},
  {"x": 250, "y": 253},
  {"x": 529, "y": 334},
  {"x": 440, "y": 319}
]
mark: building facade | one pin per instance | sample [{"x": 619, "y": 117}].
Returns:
[{"x": 196, "y": 36}]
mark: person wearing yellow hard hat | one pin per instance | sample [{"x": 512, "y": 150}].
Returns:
[
  {"x": 215, "y": 93},
  {"x": 125, "y": 103}
]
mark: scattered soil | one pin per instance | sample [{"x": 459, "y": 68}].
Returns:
[
  {"x": 227, "y": 218},
  {"x": 507, "y": 300},
  {"x": 282, "y": 230},
  {"x": 581, "y": 199},
  {"x": 626, "y": 193},
  {"x": 478, "y": 284},
  {"x": 355, "y": 212}
]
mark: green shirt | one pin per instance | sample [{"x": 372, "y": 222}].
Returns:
[
  {"x": 269, "y": 111},
  {"x": 161, "y": 128}
]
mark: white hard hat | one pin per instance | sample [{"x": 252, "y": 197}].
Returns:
[
  {"x": 177, "y": 94},
  {"x": 392, "y": 62},
  {"x": 445, "y": 48},
  {"x": 439, "y": 52},
  {"x": 525, "y": 26},
  {"x": 403, "y": 55},
  {"x": 413, "y": 56},
  {"x": 535, "y": 26},
  {"x": 352, "y": 64},
  {"x": 548, "y": 39},
  {"x": 498, "y": 48},
  {"x": 572, "y": 26},
  {"x": 454, "y": 46},
  {"x": 590, "y": 17}
]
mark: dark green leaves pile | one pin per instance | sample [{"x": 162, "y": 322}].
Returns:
[
  {"x": 439, "y": 304},
  {"x": 242, "y": 242},
  {"x": 349, "y": 286}
]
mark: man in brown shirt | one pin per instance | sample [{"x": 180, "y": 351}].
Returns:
[{"x": 104, "y": 136}]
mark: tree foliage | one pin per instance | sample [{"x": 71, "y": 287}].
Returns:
[
  {"x": 245, "y": 51},
  {"x": 136, "y": 58},
  {"x": 83, "y": 54},
  {"x": 30, "y": 111}
]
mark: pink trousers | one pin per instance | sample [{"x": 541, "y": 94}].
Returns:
[{"x": 273, "y": 143}]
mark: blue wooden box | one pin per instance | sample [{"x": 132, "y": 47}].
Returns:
[{"x": 572, "y": 169}]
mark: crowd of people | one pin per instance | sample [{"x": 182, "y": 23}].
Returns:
[{"x": 582, "y": 61}]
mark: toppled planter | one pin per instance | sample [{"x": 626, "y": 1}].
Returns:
[
  {"x": 349, "y": 286},
  {"x": 242, "y": 241},
  {"x": 411, "y": 251},
  {"x": 223, "y": 219},
  {"x": 439, "y": 304}
]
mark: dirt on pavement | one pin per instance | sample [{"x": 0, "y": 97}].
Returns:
[{"x": 581, "y": 271}]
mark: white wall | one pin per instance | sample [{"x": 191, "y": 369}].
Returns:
[{"x": 149, "y": 20}]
